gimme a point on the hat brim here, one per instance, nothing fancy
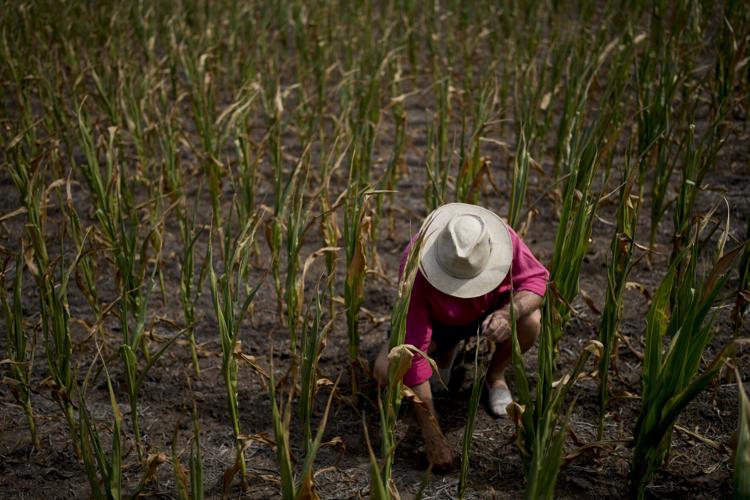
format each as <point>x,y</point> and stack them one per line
<point>498,264</point>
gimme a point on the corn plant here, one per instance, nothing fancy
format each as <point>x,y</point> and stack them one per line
<point>585,149</point>
<point>697,161</point>
<point>232,296</point>
<point>281,194</point>
<point>190,486</point>
<point>671,377</point>
<point>470,162</point>
<point>202,100</point>
<point>304,488</point>
<point>314,336</point>
<point>619,264</point>
<point>732,47</point>
<point>19,347</point>
<point>658,78</point>
<point>329,229</point>
<point>356,233</point>
<point>103,471</point>
<point>740,479</point>
<point>437,163</point>
<point>540,422</point>
<point>297,223</point>
<point>52,278</point>
<point>396,164</point>
<point>399,361</point>
<point>86,269</point>
<point>480,372</point>
<point>189,289</point>
<point>521,162</point>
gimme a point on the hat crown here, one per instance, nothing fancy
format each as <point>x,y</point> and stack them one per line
<point>463,246</point>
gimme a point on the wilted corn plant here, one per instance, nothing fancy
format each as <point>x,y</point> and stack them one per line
<point>232,295</point>
<point>619,264</point>
<point>399,361</point>
<point>363,120</point>
<point>697,161</point>
<point>671,377</point>
<point>740,478</point>
<point>437,163</point>
<point>190,486</point>
<point>281,190</point>
<point>585,148</point>
<point>103,472</point>
<point>51,277</point>
<point>304,488</point>
<point>202,99</point>
<point>356,232</point>
<point>329,229</point>
<point>173,185</point>
<point>314,334</point>
<point>470,163</point>
<point>20,345</point>
<point>119,223</point>
<point>541,427</point>
<point>297,223</point>
<point>657,80</point>
<point>480,372</point>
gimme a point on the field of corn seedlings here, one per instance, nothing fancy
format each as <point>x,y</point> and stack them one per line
<point>203,205</point>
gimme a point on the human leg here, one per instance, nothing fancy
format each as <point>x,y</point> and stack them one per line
<point>527,329</point>
<point>499,396</point>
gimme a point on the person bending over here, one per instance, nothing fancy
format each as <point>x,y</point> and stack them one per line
<point>469,260</point>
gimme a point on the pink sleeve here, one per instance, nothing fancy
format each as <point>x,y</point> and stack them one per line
<point>528,273</point>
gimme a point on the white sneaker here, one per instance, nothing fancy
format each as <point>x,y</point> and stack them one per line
<point>498,398</point>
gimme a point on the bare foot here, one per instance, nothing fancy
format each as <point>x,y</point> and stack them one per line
<point>439,454</point>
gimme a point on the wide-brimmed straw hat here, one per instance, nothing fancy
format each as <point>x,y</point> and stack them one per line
<point>467,250</point>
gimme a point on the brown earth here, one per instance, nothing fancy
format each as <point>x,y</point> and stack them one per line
<point>699,465</point>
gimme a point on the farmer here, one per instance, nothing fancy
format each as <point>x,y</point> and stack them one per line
<point>468,261</point>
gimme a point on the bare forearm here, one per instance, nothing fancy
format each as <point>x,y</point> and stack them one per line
<point>524,303</point>
<point>425,412</point>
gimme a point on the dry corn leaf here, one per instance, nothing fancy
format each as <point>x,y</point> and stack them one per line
<point>545,101</point>
<point>261,437</point>
<point>153,461</point>
<point>590,302</point>
<point>358,263</point>
<point>634,285</point>
<point>399,361</point>
<point>10,215</point>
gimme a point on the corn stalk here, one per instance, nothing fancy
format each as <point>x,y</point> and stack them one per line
<point>480,372</point>
<point>19,347</point>
<point>232,297</point>
<point>671,377</point>
<point>399,361</point>
<point>619,265</point>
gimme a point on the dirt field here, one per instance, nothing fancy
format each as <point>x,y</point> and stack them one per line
<point>699,465</point>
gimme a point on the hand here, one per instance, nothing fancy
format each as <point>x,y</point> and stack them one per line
<point>496,326</point>
<point>439,454</point>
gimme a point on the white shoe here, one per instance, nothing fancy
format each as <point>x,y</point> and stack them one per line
<point>498,398</point>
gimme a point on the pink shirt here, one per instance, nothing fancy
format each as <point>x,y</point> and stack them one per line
<point>429,304</point>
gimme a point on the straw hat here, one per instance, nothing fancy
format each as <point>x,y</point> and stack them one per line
<point>466,251</point>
